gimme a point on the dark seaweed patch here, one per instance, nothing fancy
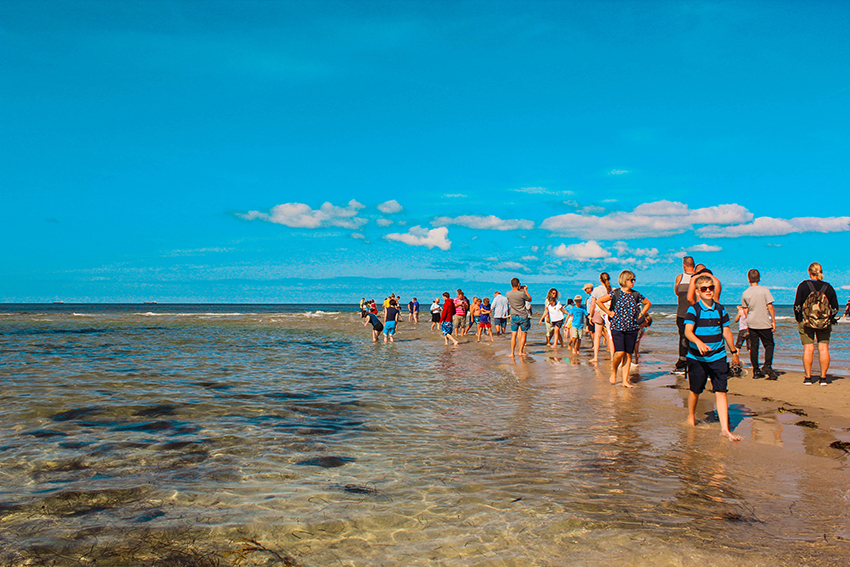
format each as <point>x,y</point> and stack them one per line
<point>807,423</point>
<point>357,489</point>
<point>74,414</point>
<point>73,445</point>
<point>45,433</point>
<point>213,385</point>
<point>326,462</point>
<point>78,503</point>
<point>156,411</point>
<point>841,446</point>
<point>147,517</point>
<point>795,411</point>
<point>176,445</point>
<point>148,426</point>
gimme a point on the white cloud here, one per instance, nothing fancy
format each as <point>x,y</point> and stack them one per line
<point>618,172</point>
<point>488,223</point>
<point>590,250</point>
<point>768,226</point>
<point>622,248</point>
<point>541,191</point>
<point>705,248</point>
<point>529,258</point>
<point>358,236</point>
<point>384,222</point>
<point>455,196</point>
<point>511,266</point>
<point>418,236</point>
<point>390,207</point>
<point>844,287</point>
<point>661,218</point>
<point>535,248</point>
<point>299,215</point>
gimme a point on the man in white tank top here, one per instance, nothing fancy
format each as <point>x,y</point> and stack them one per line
<point>680,288</point>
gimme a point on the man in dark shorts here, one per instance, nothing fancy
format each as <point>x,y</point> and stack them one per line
<point>680,288</point>
<point>377,326</point>
<point>707,328</point>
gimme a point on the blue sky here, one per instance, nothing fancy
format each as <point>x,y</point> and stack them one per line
<point>323,151</point>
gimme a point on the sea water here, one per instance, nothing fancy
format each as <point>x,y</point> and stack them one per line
<point>272,434</point>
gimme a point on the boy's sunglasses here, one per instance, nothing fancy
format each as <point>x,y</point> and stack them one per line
<point>706,288</point>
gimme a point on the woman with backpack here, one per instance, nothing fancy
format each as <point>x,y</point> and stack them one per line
<point>815,308</point>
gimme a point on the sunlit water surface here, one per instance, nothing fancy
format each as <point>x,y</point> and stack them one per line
<point>251,434</point>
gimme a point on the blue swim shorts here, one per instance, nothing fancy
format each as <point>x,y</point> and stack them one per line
<point>500,321</point>
<point>447,328</point>
<point>389,328</point>
<point>519,323</point>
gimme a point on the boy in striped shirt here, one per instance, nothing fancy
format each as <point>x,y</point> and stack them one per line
<point>707,328</point>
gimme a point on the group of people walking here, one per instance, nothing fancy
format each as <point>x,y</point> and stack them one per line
<point>619,317</point>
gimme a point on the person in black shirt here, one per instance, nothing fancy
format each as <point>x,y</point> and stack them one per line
<point>810,336</point>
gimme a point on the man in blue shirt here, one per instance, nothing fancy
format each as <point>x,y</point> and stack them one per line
<point>707,328</point>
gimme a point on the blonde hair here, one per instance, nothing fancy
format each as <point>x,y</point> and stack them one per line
<point>625,276</point>
<point>816,271</point>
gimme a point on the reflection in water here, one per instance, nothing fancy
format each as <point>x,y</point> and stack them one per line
<point>189,440</point>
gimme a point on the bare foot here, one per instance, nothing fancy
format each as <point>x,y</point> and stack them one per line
<point>593,360</point>
<point>613,379</point>
<point>627,384</point>
<point>730,435</point>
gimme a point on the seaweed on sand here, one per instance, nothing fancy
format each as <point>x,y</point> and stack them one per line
<point>795,411</point>
<point>253,546</point>
<point>154,548</point>
<point>172,548</point>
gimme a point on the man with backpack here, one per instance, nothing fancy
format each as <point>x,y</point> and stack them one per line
<point>815,308</point>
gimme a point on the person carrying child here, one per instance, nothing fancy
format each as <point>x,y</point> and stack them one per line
<point>484,319</point>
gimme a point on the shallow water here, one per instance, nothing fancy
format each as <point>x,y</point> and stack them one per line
<point>145,434</point>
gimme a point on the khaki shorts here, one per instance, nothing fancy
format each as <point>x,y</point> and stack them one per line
<point>811,336</point>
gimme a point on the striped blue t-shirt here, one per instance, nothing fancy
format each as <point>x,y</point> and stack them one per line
<point>709,329</point>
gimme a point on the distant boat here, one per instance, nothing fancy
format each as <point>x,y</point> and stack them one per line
<point>150,302</point>
<point>58,302</point>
